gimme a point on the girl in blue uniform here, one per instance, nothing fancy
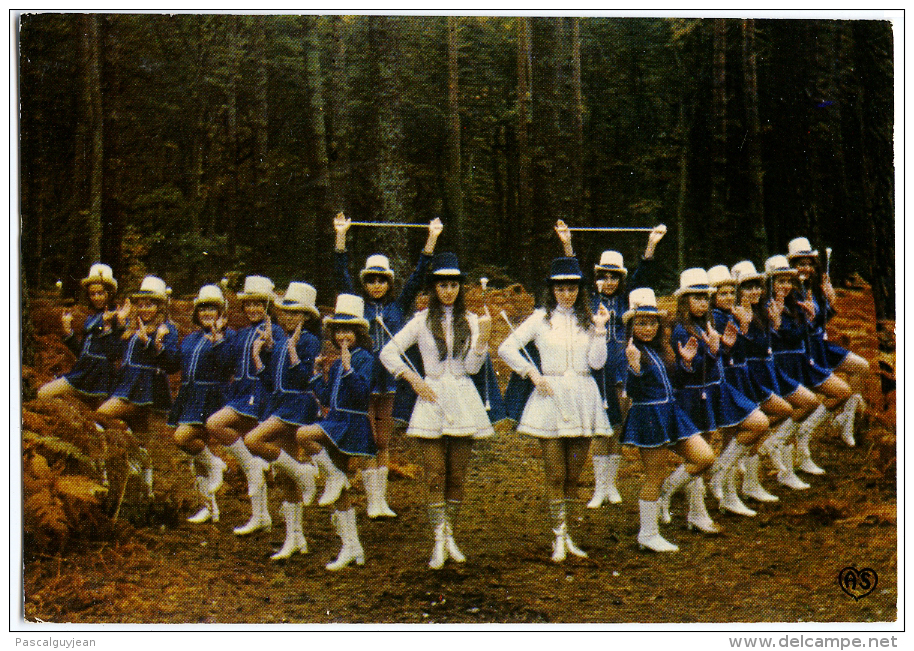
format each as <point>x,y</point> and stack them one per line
<point>205,372</point>
<point>816,288</point>
<point>246,394</point>
<point>290,405</point>
<point>655,420</point>
<point>150,353</point>
<point>612,285</point>
<point>754,317</point>
<point>706,397</point>
<point>345,388</point>
<point>791,342</point>
<point>380,303</point>
<point>729,316</point>
<point>92,376</point>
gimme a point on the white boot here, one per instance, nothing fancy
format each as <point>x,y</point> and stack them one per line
<point>295,538</point>
<point>344,521</point>
<point>716,485</point>
<point>731,501</point>
<point>752,485</point>
<point>302,474</point>
<point>369,480</point>
<point>215,468</point>
<point>612,471</point>
<point>777,440</point>
<point>730,455</point>
<point>676,480</point>
<point>804,434</point>
<point>600,471</point>
<point>787,476</point>
<point>260,514</point>
<point>380,479</point>
<point>335,480</point>
<point>437,516</point>
<point>649,535</point>
<point>570,547</point>
<point>698,517</point>
<point>848,417</point>
<point>204,514</point>
<point>450,516</point>
<point>253,467</point>
<point>558,544</point>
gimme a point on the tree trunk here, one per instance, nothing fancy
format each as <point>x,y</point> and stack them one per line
<point>756,210</point>
<point>524,191</point>
<point>577,152</point>
<point>722,229</point>
<point>454,183</point>
<point>338,154</point>
<point>93,105</point>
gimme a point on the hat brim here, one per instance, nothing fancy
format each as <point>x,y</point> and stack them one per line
<point>223,304</point>
<point>297,307</point>
<point>750,278</point>
<point>152,295</point>
<point>446,274</point>
<point>781,272</point>
<point>721,283</point>
<point>565,278</point>
<point>618,270</point>
<point>269,298</point>
<point>376,271</point>
<point>626,317</point>
<point>802,254</point>
<point>107,282</point>
<point>346,320</point>
<point>696,289</point>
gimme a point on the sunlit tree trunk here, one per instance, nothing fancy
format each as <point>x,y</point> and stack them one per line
<point>719,131</point>
<point>756,212</point>
<point>93,106</point>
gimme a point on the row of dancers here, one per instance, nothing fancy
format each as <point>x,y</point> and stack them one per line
<point>747,355</point>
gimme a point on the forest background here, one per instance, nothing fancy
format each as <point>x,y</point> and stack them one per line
<point>198,147</point>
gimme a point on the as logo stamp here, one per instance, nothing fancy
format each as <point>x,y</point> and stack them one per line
<point>858,584</point>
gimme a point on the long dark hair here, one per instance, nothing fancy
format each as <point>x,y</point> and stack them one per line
<point>620,288</point>
<point>689,322</point>
<point>815,281</point>
<point>791,309</point>
<point>388,296</point>
<point>110,304</point>
<point>759,313</point>
<point>461,323</point>
<point>362,340</point>
<point>581,305</point>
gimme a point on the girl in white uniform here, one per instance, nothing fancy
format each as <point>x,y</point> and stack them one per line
<point>449,413</point>
<point>565,410</point>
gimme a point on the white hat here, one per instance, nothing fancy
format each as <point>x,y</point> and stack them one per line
<point>154,288</point>
<point>209,295</point>
<point>777,265</point>
<point>745,271</point>
<point>100,273</point>
<point>299,297</point>
<point>720,275</point>
<point>257,288</point>
<point>611,261</point>
<point>800,248</point>
<point>693,281</point>
<point>642,301</point>
<point>350,310</point>
<point>377,264</point>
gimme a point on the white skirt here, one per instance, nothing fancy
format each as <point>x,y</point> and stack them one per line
<point>575,409</point>
<point>458,412</point>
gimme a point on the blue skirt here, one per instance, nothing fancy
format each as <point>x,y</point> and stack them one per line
<point>92,376</point>
<point>247,398</point>
<point>739,378</point>
<point>381,380</point>
<point>292,408</point>
<point>195,403</point>
<point>143,387</point>
<point>801,368</point>
<point>656,425</point>
<point>826,354</point>
<point>350,432</point>
<point>766,374</point>
<point>714,406</point>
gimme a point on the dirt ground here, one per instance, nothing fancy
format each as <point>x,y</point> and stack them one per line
<point>781,566</point>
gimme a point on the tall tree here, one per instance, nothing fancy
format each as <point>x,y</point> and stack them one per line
<point>524,190</point>
<point>756,212</point>
<point>719,135</point>
<point>93,106</point>
<point>577,153</point>
<point>454,181</point>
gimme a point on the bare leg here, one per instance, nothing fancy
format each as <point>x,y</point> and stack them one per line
<point>554,468</point>
<point>227,425</point>
<point>380,408</point>
<point>60,388</point>
<point>434,462</point>
<point>458,458</point>
<point>270,437</point>
<point>575,456</point>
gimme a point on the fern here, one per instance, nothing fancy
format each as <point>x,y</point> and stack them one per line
<point>57,445</point>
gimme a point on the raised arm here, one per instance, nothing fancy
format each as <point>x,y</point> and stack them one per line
<point>341,225</point>
<point>413,284</point>
<point>564,233</point>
